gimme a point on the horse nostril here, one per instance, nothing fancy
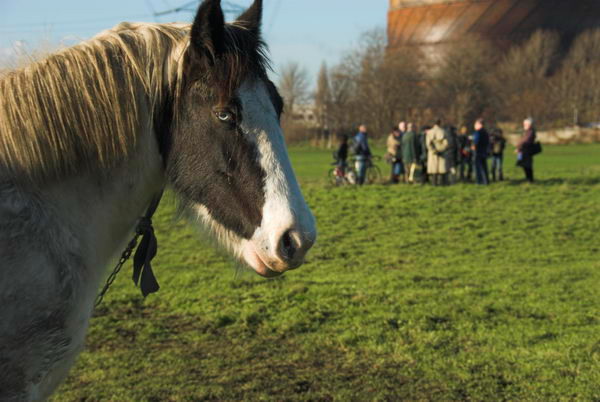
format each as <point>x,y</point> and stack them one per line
<point>287,246</point>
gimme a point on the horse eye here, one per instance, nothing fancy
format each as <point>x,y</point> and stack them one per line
<point>225,116</point>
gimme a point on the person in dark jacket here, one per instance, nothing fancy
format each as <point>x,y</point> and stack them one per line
<point>422,150</point>
<point>465,155</point>
<point>525,149</point>
<point>362,152</point>
<point>410,152</point>
<point>497,146</point>
<point>451,154</point>
<point>341,155</point>
<point>481,143</point>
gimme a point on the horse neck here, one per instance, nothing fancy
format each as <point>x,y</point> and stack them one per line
<point>101,212</point>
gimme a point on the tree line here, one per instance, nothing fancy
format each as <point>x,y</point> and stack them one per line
<point>471,78</point>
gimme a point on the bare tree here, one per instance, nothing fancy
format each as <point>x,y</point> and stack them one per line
<point>293,85</point>
<point>341,87</point>
<point>577,85</point>
<point>322,102</point>
<point>380,86</point>
<point>460,87</point>
<point>521,81</point>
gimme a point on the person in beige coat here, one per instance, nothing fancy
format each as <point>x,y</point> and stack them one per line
<point>437,144</point>
<point>394,154</point>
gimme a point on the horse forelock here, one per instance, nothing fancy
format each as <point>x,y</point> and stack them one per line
<point>82,107</point>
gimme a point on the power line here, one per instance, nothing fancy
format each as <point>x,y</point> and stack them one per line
<point>191,6</point>
<point>61,26</point>
<point>75,22</point>
<point>176,10</point>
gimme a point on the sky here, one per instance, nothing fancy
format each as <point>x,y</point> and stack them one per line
<point>309,32</point>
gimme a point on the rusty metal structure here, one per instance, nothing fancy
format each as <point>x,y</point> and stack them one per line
<point>432,23</point>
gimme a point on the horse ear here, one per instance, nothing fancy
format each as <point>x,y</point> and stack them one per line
<point>252,17</point>
<point>208,29</point>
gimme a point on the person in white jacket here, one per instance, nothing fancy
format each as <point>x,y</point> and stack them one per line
<point>437,144</point>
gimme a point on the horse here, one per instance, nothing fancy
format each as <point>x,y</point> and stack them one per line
<point>91,134</point>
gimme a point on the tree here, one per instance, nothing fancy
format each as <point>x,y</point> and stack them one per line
<point>521,81</point>
<point>322,97</point>
<point>293,85</point>
<point>577,85</point>
<point>378,87</point>
<point>341,89</point>
<point>460,89</point>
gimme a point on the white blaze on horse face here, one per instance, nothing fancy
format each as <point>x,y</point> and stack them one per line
<point>287,230</point>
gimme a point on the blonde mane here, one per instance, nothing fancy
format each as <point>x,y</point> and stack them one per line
<point>82,107</point>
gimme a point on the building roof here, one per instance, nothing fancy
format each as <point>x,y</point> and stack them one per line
<point>427,22</point>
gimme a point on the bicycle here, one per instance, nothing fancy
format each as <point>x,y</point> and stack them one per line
<point>341,175</point>
<point>373,173</point>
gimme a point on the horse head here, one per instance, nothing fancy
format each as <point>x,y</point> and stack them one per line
<point>225,154</point>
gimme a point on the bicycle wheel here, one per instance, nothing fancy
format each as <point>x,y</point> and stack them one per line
<point>331,177</point>
<point>373,174</point>
<point>351,176</point>
<point>334,178</point>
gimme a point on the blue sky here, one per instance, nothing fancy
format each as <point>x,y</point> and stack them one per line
<point>306,31</point>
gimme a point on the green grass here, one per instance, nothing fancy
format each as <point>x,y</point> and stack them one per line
<point>411,293</point>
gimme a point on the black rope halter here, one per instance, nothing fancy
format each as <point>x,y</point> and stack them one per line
<point>143,276</point>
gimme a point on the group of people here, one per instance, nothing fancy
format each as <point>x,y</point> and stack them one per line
<point>441,155</point>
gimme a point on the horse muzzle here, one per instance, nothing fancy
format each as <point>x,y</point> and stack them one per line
<point>283,251</point>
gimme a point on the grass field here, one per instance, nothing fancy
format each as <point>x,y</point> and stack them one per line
<point>412,292</point>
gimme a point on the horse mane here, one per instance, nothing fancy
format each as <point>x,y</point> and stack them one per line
<point>81,107</point>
